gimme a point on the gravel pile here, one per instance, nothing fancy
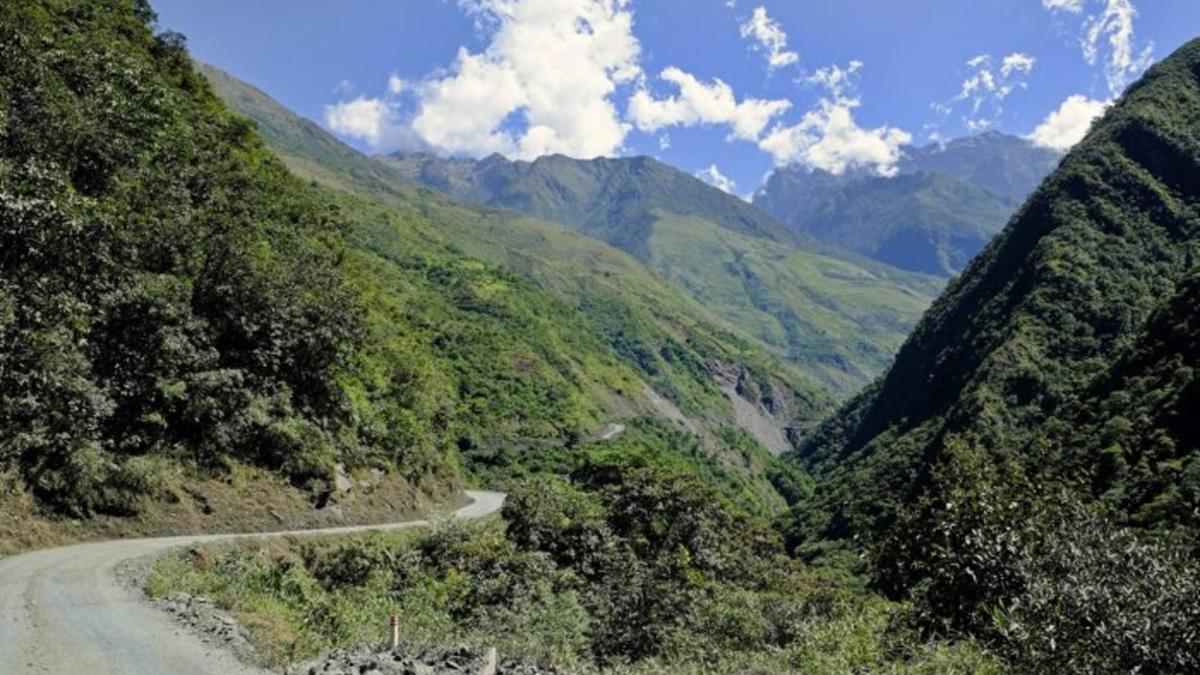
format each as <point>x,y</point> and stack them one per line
<point>212,625</point>
<point>409,660</point>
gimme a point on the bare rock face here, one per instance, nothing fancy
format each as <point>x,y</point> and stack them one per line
<point>342,482</point>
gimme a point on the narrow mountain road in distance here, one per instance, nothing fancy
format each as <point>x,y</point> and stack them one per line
<point>62,610</point>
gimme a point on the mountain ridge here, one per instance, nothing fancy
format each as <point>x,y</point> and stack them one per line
<point>834,313</point>
<point>943,204</point>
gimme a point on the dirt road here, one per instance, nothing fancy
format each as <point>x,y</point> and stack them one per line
<point>62,610</point>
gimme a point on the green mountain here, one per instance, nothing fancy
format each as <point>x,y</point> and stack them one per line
<point>699,370</point>
<point>183,315</point>
<point>1062,361</point>
<point>610,199</point>
<point>837,316</point>
<point>945,203</point>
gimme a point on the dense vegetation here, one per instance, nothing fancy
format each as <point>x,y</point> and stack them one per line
<point>1050,394</point>
<point>940,209</point>
<point>618,567</point>
<point>169,292</point>
<point>1021,490</point>
<point>836,316</point>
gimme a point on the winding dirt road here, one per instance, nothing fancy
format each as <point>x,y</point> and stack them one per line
<point>62,610</point>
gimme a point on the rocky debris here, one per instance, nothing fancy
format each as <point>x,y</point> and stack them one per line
<point>213,625</point>
<point>611,431</point>
<point>412,660</point>
<point>341,480</point>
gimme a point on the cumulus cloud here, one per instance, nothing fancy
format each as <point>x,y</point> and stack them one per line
<point>1108,38</point>
<point>553,63</point>
<point>769,38</point>
<point>713,176</point>
<point>366,118</point>
<point>828,137</point>
<point>1067,125</point>
<point>544,84</point>
<point>702,103</point>
<point>986,87</point>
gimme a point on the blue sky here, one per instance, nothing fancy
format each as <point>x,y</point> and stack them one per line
<point>730,89</point>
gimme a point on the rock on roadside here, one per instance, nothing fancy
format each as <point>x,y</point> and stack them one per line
<point>211,624</point>
<point>409,660</point>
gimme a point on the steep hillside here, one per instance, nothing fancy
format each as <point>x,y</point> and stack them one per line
<point>170,294</point>
<point>610,199</point>
<point>837,316</point>
<point>1065,353</point>
<point>946,202</point>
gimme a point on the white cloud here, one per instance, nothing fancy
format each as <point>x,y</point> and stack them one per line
<point>713,176</point>
<point>986,87</point>
<point>836,79</point>
<point>556,63</point>
<point>365,118</point>
<point>664,142</point>
<point>1067,125</point>
<point>543,85</point>
<point>769,37</point>
<point>1108,38</point>
<point>702,103</point>
<point>1016,62</point>
<point>1075,6</point>
<point>1122,63</point>
<point>829,138</point>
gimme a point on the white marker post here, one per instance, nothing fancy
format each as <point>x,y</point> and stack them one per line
<point>394,622</point>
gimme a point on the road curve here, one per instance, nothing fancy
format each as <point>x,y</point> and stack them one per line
<point>62,610</point>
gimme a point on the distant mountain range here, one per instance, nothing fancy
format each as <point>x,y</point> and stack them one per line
<point>837,315</point>
<point>829,272</point>
<point>946,201</point>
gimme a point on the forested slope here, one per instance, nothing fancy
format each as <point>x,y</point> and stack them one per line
<point>1045,399</point>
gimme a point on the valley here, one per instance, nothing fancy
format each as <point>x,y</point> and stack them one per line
<point>918,407</point>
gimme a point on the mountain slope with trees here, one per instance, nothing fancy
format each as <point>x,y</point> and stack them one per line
<point>1055,378</point>
<point>700,369</point>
